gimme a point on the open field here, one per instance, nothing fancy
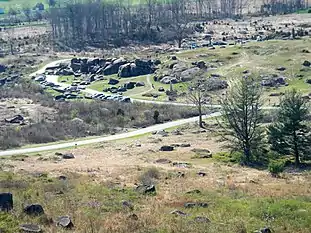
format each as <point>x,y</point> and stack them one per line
<point>101,176</point>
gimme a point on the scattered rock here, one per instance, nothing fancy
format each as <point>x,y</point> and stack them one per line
<point>174,58</point>
<point>113,81</point>
<point>202,153</point>
<point>202,219</point>
<point>176,132</point>
<point>62,177</point>
<point>180,175</point>
<point>281,68</point>
<point>68,156</point>
<point>34,210</point>
<point>166,148</point>
<point>264,230</point>
<point>163,161</point>
<point>182,164</point>
<point>133,217</point>
<point>65,222</point>
<point>127,204</point>
<point>185,145</point>
<point>18,119</point>
<point>163,133</point>
<point>179,213</point>
<point>195,191</point>
<point>190,205</point>
<point>6,201</point>
<point>140,84</point>
<point>146,189</point>
<point>28,228</point>
<point>161,89</point>
<point>193,205</point>
<point>275,94</point>
<point>201,174</point>
<point>306,63</point>
<point>308,81</point>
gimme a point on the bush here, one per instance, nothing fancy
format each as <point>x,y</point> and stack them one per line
<point>309,11</point>
<point>149,176</point>
<point>276,167</point>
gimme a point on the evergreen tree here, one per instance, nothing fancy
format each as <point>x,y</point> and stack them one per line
<point>241,116</point>
<point>290,134</point>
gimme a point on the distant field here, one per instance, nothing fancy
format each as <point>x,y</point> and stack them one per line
<point>19,4</point>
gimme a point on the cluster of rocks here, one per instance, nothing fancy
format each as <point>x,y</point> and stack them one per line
<point>101,66</point>
<point>9,78</point>
<point>273,80</point>
<point>178,72</point>
<point>126,86</point>
<point>32,210</point>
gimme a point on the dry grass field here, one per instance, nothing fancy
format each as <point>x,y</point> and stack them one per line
<point>101,176</point>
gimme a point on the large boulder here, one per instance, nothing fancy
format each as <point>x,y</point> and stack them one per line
<point>34,210</point>
<point>189,74</point>
<point>130,85</point>
<point>139,67</point>
<point>126,70</point>
<point>168,80</point>
<point>113,68</point>
<point>214,84</point>
<point>2,68</point>
<point>140,84</point>
<point>75,66</point>
<point>6,201</point>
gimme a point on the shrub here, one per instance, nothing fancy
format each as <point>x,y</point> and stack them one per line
<point>149,176</point>
<point>276,167</point>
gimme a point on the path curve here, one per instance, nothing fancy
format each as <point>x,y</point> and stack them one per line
<point>138,132</point>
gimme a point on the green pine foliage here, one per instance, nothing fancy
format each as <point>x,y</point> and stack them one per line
<point>290,134</point>
<point>241,115</point>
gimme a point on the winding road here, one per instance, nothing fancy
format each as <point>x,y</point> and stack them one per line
<point>80,142</point>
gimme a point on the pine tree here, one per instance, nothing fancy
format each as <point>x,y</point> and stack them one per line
<point>241,116</point>
<point>290,135</point>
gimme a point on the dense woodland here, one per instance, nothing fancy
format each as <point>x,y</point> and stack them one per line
<point>116,23</point>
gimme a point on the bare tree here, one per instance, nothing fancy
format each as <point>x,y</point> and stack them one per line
<point>197,94</point>
<point>181,21</point>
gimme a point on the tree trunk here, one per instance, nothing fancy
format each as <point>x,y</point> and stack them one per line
<point>179,42</point>
<point>200,116</point>
<point>296,151</point>
<point>247,152</point>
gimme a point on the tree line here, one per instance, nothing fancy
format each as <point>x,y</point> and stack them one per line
<point>97,23</point>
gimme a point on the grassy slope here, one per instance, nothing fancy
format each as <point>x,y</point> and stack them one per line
<point>98,205</point>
